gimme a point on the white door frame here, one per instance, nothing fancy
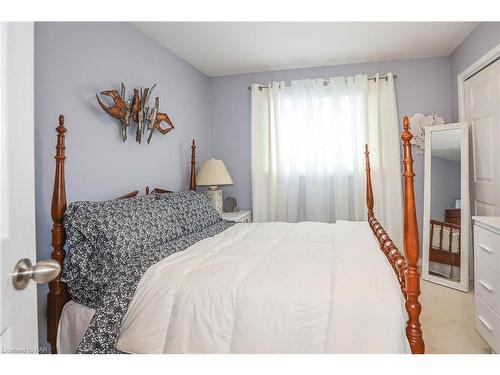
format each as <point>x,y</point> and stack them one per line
<point>478,65</point>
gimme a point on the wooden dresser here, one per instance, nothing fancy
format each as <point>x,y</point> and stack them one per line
<point>487,279</point>
<point>452,215</point>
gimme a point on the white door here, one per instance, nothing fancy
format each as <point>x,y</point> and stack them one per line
<point>18,308</point>
<point>482,110</point>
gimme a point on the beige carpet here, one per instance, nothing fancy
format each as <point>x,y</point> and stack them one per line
<point>448,321</point>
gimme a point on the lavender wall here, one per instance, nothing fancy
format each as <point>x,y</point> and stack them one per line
<point>423,85</point>
<point>72,62</point>
<point>480,41</point>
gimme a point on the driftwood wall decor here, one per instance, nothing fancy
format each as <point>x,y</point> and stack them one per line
<point>138,111</point>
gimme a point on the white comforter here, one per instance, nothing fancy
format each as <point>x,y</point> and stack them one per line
<point>270,288</point>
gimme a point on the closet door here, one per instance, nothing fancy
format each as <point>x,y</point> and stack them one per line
<point>482,107</point>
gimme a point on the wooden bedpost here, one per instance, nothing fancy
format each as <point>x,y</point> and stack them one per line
<point>58,295</point>
<point>192,180</point>
<point>411,248</point>
<point>405,268</point>
<point>369,191</point>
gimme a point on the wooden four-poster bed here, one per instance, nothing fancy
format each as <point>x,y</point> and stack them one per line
<point>405,267</point>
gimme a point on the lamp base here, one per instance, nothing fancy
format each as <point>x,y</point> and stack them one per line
<point>215,197</point>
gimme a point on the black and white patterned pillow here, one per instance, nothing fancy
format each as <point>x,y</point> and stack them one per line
<point>192,209</point>
<point>99,232</point>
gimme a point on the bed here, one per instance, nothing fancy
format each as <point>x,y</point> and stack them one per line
<point>246,288</point>
<point>444,249</point>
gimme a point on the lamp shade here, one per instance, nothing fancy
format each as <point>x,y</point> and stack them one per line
<point>213,173</point>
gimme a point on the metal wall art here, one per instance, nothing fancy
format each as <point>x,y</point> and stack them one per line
<point>139,111</point>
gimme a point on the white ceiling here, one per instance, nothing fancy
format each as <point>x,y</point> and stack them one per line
<point>224,48</point>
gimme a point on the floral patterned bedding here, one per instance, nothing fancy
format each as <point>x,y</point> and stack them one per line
<point>111,244</point>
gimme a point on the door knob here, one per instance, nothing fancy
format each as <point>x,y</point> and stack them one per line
<point>42,272</point>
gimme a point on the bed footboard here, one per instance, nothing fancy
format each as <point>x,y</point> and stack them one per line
<point>405,268</point>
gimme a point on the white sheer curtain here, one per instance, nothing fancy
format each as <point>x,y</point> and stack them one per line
<point>308,151</point>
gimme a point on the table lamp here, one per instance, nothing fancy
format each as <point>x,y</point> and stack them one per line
<point>213,173</point>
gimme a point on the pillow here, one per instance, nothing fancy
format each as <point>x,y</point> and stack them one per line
<point>193,210</point>
<point>100,233</point>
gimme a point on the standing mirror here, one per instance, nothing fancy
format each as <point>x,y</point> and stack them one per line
<point>445,255</point>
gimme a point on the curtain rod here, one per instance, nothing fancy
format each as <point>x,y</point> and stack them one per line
<point>325,81</point>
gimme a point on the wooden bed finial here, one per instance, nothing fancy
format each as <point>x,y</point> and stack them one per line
<point>369,191</point>
<point>192,180</point>
<point>58,295</point>
<point>411,247</point>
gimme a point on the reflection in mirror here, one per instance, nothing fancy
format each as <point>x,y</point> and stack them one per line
<point>445,205</point>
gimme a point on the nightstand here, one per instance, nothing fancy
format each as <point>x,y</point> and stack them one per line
<point>243,216</point>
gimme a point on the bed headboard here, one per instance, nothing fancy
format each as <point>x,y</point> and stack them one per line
<point>58,294</point>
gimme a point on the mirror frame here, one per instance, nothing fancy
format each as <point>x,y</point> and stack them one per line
<point>465,221</point>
